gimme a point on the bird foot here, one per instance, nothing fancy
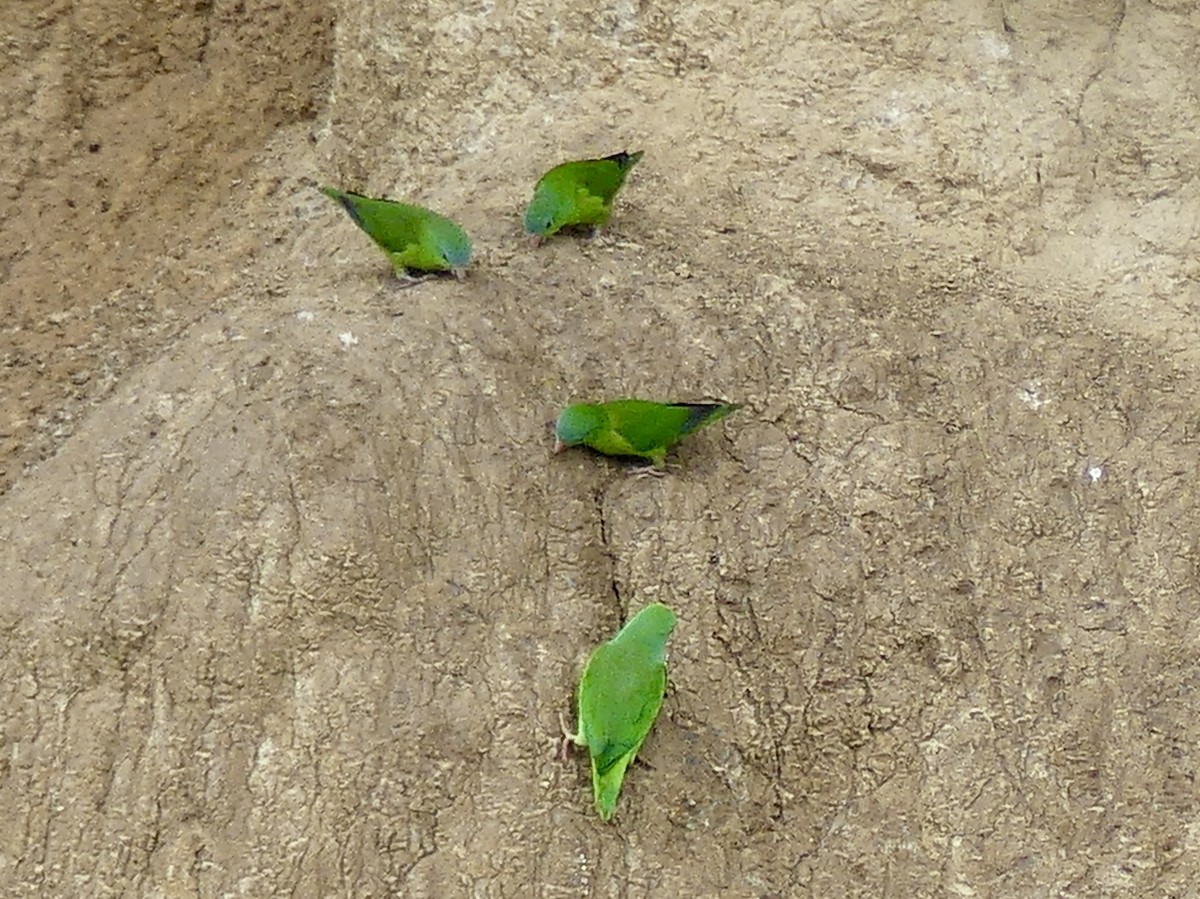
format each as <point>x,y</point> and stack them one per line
<point>640,472</point>
<point>406,280</point>
<point>568,738</point>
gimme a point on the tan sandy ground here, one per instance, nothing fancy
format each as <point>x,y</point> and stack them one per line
<point>292,592</point>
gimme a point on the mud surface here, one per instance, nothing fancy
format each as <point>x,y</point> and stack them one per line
<point>293,592</point>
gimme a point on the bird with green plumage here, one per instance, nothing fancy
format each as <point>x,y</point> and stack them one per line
<point>414,238</point>
<point>620,694</point>
<point>633,427</point>
<point>577,193</point>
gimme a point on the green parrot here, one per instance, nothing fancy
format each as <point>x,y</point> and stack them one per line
<point>414,238</point>
<point>577,193</point>
<point>620,693</point>
<point>634,427</point>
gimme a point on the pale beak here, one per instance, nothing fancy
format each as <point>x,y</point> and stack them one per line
<point>458,273</point>
<point>535,240</point>
<point>559,446</point>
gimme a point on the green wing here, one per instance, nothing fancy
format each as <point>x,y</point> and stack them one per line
<point>413,237</point>
<point>394,226</point>
<point>648,428</point>
<point>588,186</point>
<point>601,178</point>
<point>610,440</point>
<point>586,208</point>
<point>620,695</point>
<point>615,756</point>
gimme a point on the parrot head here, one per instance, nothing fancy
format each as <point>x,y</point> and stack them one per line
<point>545,214</point>
<point>455,249</point>
<point>575,424</point>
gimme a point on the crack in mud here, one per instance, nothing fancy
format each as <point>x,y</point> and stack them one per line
<point>606,544</point>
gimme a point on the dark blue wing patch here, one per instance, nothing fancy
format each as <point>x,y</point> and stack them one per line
<point>698,414</point>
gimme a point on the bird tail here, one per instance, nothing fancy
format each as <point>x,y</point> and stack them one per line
<point>701,414</point>
<point>626,161</point>
<point>343,198</point>
<point>606,785</point>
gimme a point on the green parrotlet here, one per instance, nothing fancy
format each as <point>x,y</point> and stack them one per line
<point>620,695</point>
<point>577,193</point>
<point>632,427</point>
<point>415,239</point>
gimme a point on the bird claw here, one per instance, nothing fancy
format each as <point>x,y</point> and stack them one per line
<point>648,471</point>
<point>406,280</point>
<point>568,738</point>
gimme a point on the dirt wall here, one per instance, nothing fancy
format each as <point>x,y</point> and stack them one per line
<point>295,591</point>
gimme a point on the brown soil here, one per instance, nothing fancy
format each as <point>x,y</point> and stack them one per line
<point>293,592</point>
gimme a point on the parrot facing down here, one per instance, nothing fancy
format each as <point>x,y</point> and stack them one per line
<point>577,193</point>
<point>620,694</point>
<point>414,238</point>
<point>632,427</point>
